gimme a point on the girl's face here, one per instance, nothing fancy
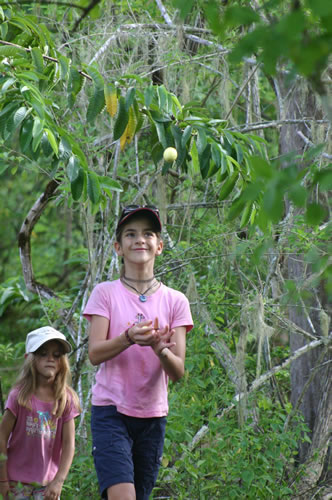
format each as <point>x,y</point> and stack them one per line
<point>48,360</point>
<point>139,244</point>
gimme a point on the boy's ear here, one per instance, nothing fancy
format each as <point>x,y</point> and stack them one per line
<point>160,247</point>
<point>118,248</point>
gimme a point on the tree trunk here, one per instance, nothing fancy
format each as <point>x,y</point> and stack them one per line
<point>311,373</point>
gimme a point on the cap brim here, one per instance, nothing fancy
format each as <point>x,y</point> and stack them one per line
<point>146,211</point>
<point>47,338</point>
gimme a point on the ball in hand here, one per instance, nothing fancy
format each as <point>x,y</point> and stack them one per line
<point>170,154</point>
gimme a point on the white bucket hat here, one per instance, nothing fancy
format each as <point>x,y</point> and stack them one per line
<point>38,337</point>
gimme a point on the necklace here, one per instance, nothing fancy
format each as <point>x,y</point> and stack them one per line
<point>139,281</point>
<point>142,297</point>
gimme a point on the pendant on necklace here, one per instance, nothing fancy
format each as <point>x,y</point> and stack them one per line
<point>142,298</point>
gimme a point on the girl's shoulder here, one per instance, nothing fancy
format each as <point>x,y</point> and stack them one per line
<point>14,392</point>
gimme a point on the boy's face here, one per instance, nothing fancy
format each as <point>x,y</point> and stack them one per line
<point>139,243</point>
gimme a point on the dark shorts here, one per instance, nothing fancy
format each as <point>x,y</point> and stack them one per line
<point>126,449</point>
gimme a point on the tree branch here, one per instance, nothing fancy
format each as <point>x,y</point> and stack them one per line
<point>259,382</point>
<point>86,11</point>
<point>24,242</point>
<point>47,58</point>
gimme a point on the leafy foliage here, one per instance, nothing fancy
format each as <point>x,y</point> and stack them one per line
<point>100,128</point>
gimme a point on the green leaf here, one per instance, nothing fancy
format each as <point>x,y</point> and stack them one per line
<point>273,202</point>
<point>201,141</point>
<point>37,58</point>
<point>107,182</point>
<point>237,15</point>
<point>315,214</point>
<point>246,213</point>
<point>194,158</point>
<point>121,120</point>
<point>204,161</point>
<point>19,116</point>
<point>184,7</point>
<point>38,126</point>
<point>30,76</point>
<point>262,167</point>
<point>94,191</point>
<point>77,185</point>
<point>160,128</point>
<point>298,194</point>
<point>248,475</point>
<point>73,168</point>
<point>52,140</point>
<point>75,83</point>
<point>324,179</point>
<point>64,149</point>
<point>235,209</point>
<point>162,98</point>
<point>321,8</point>
<point>216,155</point>
<point>186,135</point>
<point>9,51</point>
<point>148,95</point>
<point>26,134</point>
<point>130,97</point>
<point>98,80</point>
<point>36,141</point>
<point>64,66</point>
<point>8,83</point>
<point>239,153</point>
<point>228,185</point>
<point>96,104</point>
<point>46,146</point>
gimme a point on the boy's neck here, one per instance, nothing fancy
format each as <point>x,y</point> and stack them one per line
<point>139,274</point>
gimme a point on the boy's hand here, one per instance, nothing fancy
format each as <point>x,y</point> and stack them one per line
<point>143,334</point>
<point>163,340</point>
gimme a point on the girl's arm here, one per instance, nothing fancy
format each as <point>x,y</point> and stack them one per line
<point>6,427</point>
<point>172,358</point>
<point>67,455</point>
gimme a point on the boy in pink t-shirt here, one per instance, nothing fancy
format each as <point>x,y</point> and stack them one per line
<point>138,338</point>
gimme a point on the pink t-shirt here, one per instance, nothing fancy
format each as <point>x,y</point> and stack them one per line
<point>34,446</point>
<point>134,381</point>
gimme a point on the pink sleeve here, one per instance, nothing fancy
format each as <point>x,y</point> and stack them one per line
<point>182,314</point>
<point>71,411</point>
<point>98,303</point>
<point>12,403</point>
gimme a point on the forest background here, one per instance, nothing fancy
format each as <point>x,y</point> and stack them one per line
<point>91,93</point>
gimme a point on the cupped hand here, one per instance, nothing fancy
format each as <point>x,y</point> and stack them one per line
<point>163,339</point>
<point>144,333</point>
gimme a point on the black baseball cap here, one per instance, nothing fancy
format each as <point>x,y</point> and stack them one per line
<point>149,210</point>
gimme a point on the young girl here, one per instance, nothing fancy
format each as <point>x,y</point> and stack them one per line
<point>37,432</point>
<point>138,337</point>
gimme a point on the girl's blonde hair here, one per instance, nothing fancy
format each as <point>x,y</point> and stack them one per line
<point>64,394</point>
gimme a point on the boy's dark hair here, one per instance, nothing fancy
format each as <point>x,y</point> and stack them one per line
<point>136,211</point>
